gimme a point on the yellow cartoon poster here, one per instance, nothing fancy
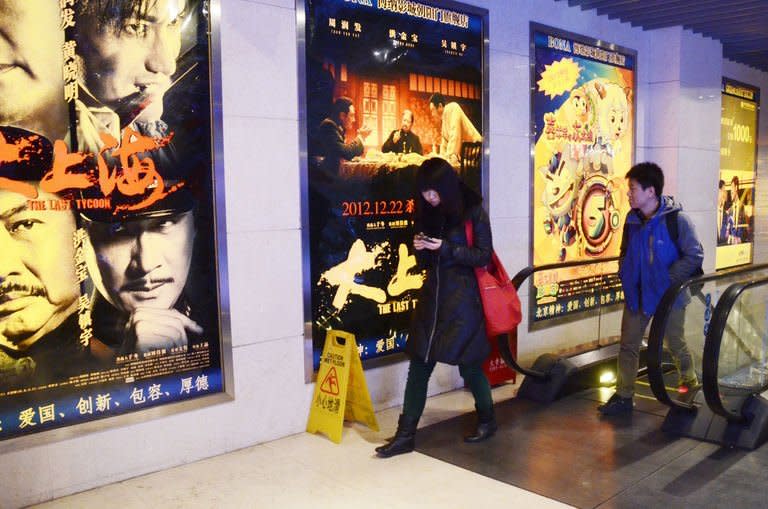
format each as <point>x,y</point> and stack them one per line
<point>583,122</point>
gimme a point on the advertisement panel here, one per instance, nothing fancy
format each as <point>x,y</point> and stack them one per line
<point>582,115</point>
<point>109,279</point>
<point>389,83</point>
<point>736,189</point>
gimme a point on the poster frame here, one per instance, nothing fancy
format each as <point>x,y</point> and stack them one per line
<point>219,218</point>
<point>534,325</point>
<point>726,80</point>
<point>301,42</point>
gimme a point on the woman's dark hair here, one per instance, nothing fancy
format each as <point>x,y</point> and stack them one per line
<point>437,174</point>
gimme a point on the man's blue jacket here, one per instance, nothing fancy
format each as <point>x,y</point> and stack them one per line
<point>651,261</point>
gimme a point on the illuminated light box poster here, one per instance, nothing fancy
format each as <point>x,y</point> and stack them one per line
<point>735,224</point>
<point>109,288</point>
<point>582,114</point>
<point>372,68</point>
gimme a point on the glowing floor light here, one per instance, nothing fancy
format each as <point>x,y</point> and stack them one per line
<point>607,377</point>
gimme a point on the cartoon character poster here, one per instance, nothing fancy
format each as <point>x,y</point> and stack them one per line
<point>583,117</point>
<point>109,279</point>
<point>389,84</point>
<point>735,223</point>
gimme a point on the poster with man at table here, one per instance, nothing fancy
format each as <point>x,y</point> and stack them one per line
<point>388,85</point>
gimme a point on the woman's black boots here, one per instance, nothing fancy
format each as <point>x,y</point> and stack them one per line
<point>486,427</point>
<point>404,439</point>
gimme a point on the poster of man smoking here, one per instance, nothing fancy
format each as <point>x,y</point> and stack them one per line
<point>389,84</point>
<point>108,270</point>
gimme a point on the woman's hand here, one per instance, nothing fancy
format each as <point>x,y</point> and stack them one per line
<point>421,241</point>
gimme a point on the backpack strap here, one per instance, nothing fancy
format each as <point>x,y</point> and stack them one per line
<point>672,227</point>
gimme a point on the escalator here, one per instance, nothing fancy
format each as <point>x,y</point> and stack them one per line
<point>724,317</point>
<point>554,375</point>
<point>556,444</point>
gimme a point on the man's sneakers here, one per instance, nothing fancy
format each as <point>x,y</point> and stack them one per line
<point>688,386</point>
<point>616,405</point>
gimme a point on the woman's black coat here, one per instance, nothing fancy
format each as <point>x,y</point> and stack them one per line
<point>448,324</point>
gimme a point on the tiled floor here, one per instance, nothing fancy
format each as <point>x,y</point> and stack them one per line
<point>310,471</point>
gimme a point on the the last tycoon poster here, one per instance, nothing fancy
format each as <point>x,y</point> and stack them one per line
<point>583,109</point>
<point>109,299</point>
<point>389,83</point>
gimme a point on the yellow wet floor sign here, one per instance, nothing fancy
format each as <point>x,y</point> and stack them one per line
<point>340,392</point>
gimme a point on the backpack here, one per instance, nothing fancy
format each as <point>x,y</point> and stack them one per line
<point>672,228</point>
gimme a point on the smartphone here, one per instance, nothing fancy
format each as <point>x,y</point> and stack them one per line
<point>421,236</point>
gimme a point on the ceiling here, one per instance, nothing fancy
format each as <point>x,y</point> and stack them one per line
<point>740,25</point>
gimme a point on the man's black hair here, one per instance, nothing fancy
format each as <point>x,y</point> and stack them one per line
<point>113,13</point>
<point>341,105</point>
<point>648,174</point>
<point>437,99</point>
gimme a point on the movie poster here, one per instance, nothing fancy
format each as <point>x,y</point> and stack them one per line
<point>583,116</point>
<point>389,84</point>
<point>735,224</point>
<point>109,299</point>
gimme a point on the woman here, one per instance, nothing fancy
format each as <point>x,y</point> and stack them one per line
<point>448,324</point>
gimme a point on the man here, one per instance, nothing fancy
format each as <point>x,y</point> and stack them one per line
<point>128,51</point>
<point>39,290</point>
<point>456,127</point>
<point>139,262</point>
<point>403,140</point>
<point>31,63</point>
<point>734,206</point>
<point>724,220</point>
<point>650,262</point>
<point>331,137</point>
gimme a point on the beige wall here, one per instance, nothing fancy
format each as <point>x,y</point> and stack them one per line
<point>261,135</point>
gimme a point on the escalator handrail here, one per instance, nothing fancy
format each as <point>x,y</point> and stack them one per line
<point>659,327</point>
<point>518,280</point>
<point>712,344</point>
